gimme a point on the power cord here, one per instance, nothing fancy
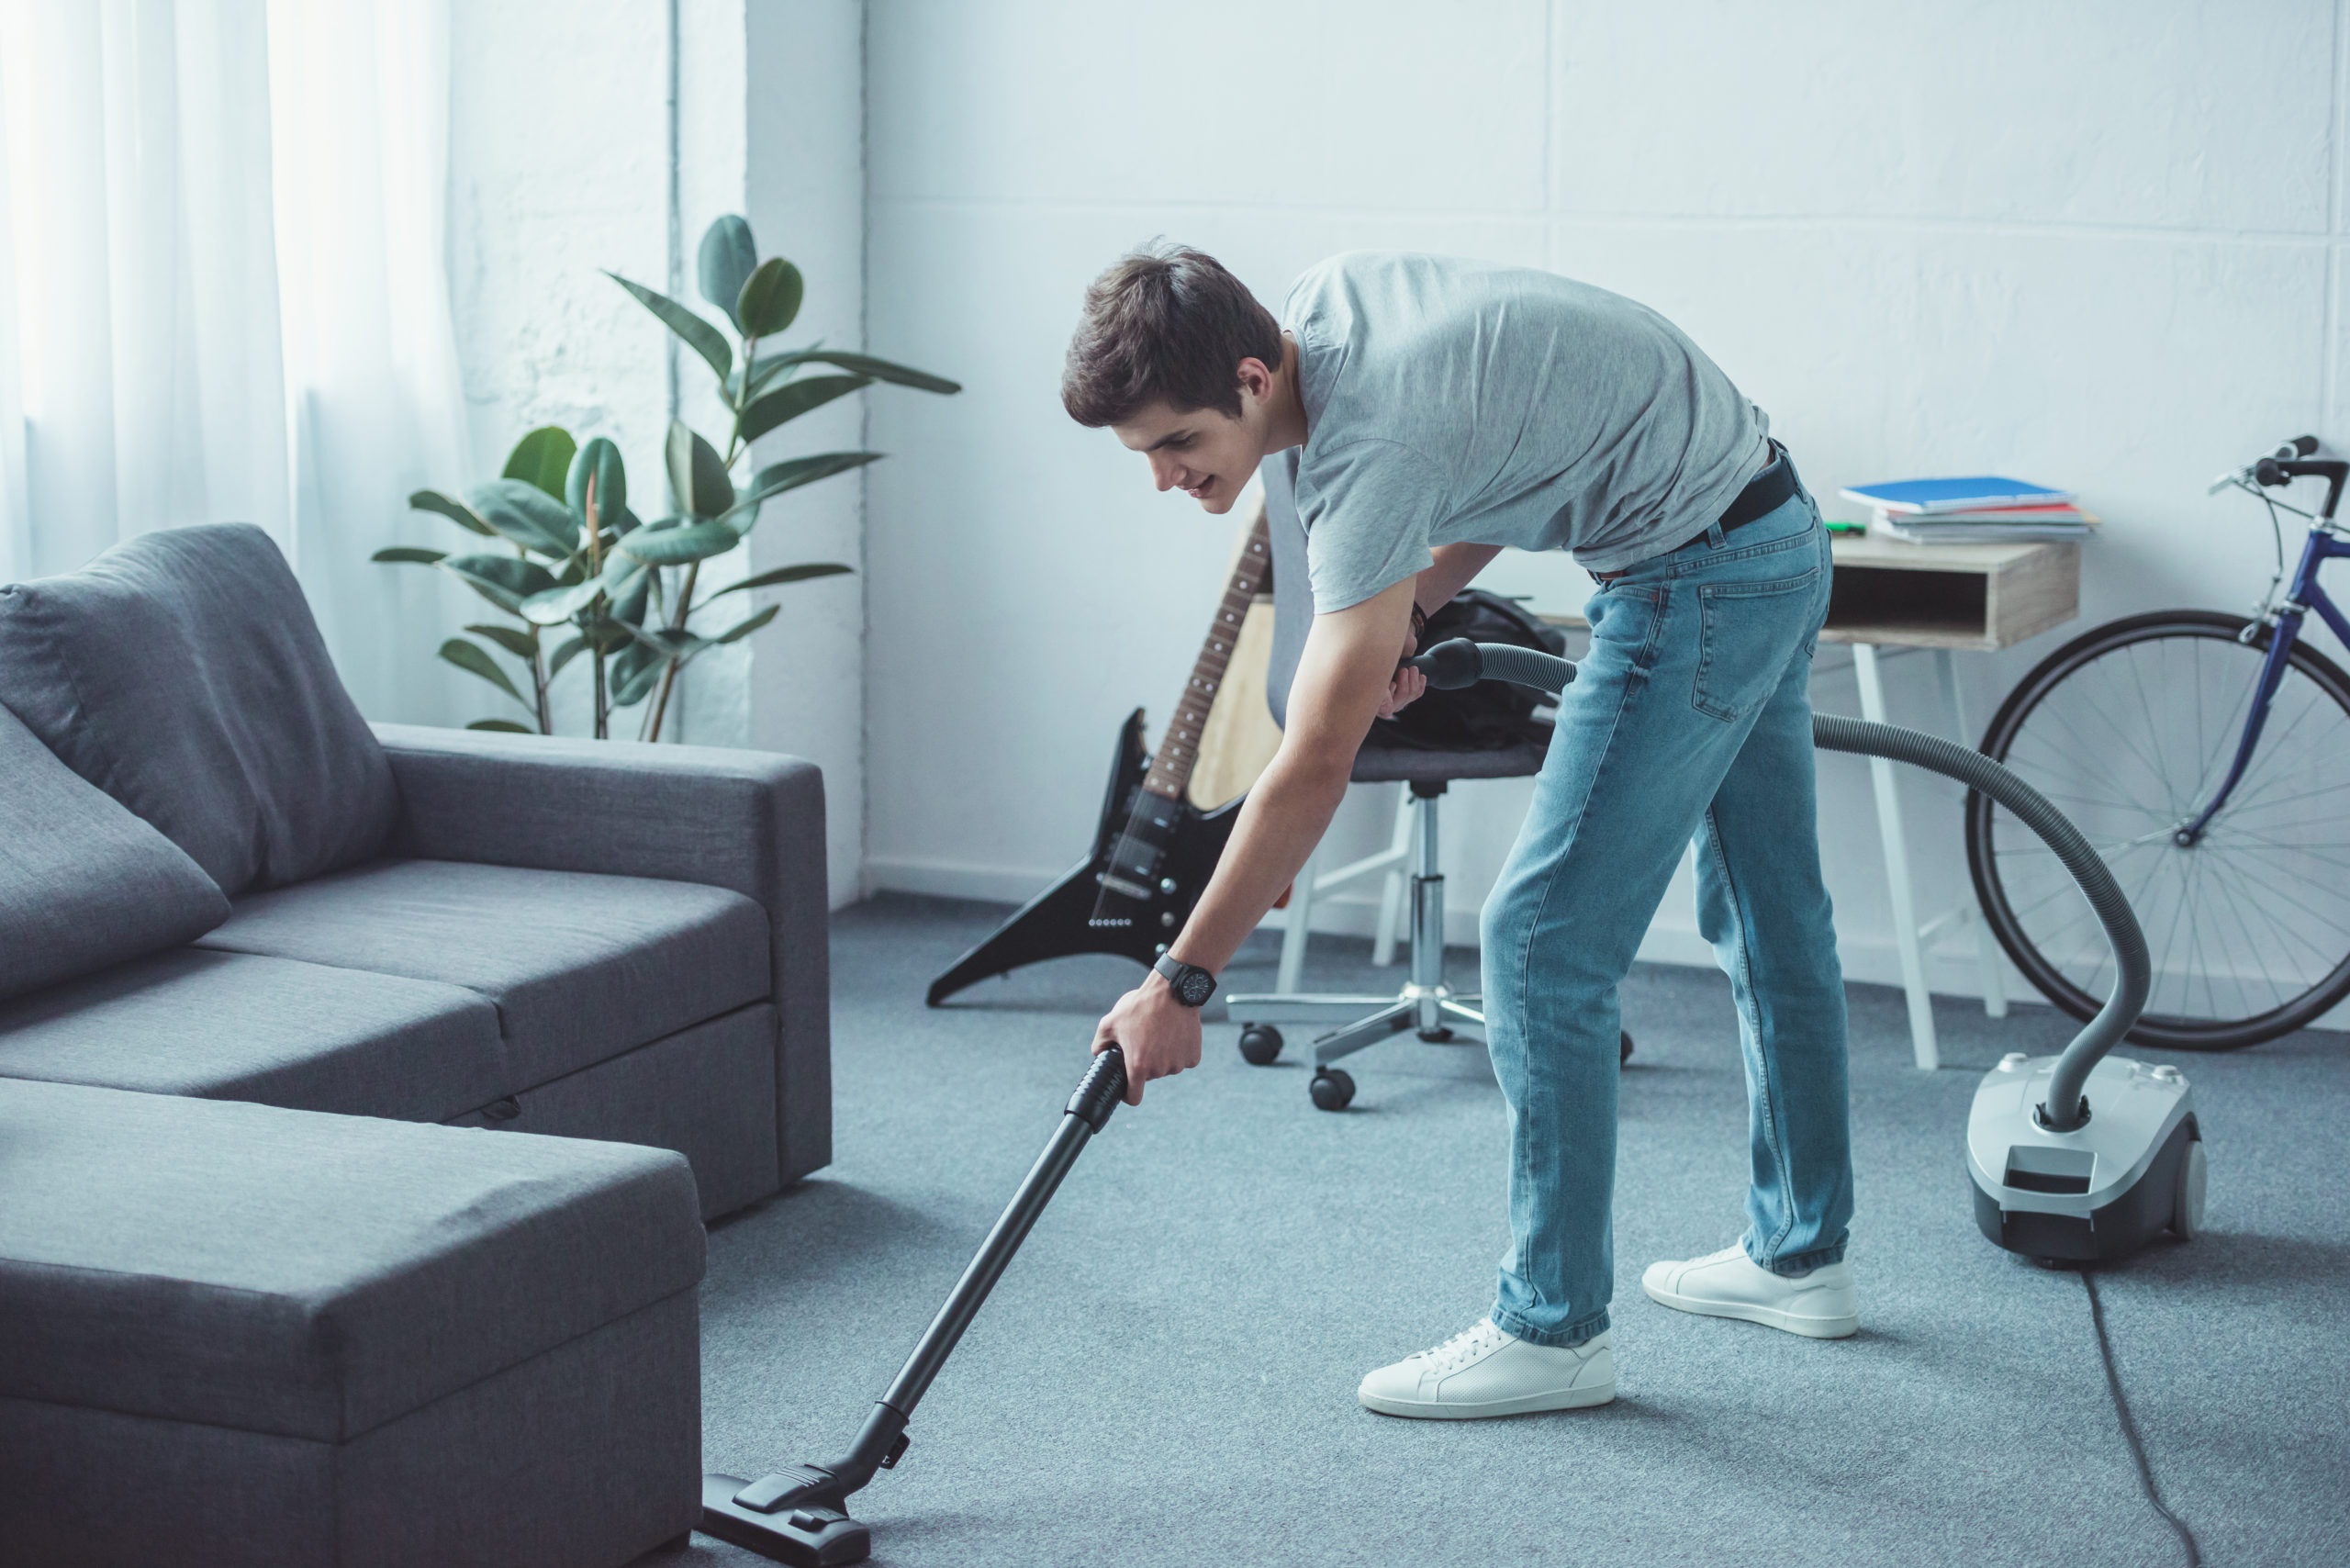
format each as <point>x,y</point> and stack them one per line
<point>2130,1425</point>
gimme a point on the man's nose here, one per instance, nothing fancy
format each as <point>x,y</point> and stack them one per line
<point>1162,469</point>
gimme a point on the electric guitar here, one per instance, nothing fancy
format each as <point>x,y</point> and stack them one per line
<point>1153,850</point>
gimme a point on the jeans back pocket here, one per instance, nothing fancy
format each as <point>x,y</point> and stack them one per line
<point>1746,633</point>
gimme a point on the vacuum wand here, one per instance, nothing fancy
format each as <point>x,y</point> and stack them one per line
<point>797,1516</point>
<point>1459,663</point>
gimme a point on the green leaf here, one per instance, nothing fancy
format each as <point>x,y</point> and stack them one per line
<point>522,512</point>
<point>794,398</point>
<point>634,675</point>
<point>728,258</point>
<point>599,460</point>
<point>542,458</point>
<point>699,335</point>
<point>697,474</point>
<point>744,628</point>
<point>504,580</point>
<point>503,726</point>
<point>476,660</point>
<point>554,606</point>
<point>564,654</point>
<point>630,597</point>
<point>521,644</point>
<point>769,367</point>
<point>455,510</point>
<point>771,299</point>
<point>793,473</point>
<point>404,553</point>
<point>676,546</point>
<point>672,644</point>
<point>782,575</point>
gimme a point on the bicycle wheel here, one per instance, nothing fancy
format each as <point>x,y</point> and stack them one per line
<point>2129,730</point>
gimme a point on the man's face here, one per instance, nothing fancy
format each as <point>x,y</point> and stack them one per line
<point>1204,453</point>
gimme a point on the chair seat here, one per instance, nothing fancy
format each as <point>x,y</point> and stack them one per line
<point>581,967</point>
<point>1409,765</point>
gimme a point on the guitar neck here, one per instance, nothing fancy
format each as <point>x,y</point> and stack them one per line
<point>1179,750</point>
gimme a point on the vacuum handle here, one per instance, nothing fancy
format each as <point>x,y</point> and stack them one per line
<point>1459,663</point>
<point>1098,1094</point>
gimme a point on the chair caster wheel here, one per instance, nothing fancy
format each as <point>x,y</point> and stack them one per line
<point>1624,1041</point>
<point>1437,1037</point>
<point>1332,1090</point>
<point>1261,1045</point>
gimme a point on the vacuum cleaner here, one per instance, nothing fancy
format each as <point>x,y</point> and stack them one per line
<point>2076,1157</point>
<point>800,1515</point>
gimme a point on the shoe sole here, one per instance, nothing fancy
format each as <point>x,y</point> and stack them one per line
<point>1529,1405</point>
<point>1810,1327</point>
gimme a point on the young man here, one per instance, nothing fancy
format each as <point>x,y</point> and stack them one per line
<point>1448,408</point>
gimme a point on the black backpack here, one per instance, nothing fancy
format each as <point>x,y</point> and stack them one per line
<point>1492,715</point>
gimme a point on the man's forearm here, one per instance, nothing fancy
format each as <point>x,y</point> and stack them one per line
<point>1283,818</point>
<point>1456,567</point>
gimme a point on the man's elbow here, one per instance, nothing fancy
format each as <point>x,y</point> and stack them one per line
<point>1320,765</point>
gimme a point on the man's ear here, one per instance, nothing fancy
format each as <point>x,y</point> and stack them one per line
<point>1254,378</point>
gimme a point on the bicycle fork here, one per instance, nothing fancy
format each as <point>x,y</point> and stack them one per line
<point>2284,630</point>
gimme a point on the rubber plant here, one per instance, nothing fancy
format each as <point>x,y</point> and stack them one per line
<point>580,571</point>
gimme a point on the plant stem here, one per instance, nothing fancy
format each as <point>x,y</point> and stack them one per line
<point>539,681</point>
<point>603,715</point>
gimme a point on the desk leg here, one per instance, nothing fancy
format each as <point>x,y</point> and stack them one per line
<point>1301,914</point>
<point>1986,949</point>
<point>1897,869</point>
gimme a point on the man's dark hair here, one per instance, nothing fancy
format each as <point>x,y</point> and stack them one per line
<point>1165,322</point>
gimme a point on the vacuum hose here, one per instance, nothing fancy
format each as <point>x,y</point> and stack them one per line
<point>1459,663</point>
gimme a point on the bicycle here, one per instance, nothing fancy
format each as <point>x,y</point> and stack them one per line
<point>2236,857</point>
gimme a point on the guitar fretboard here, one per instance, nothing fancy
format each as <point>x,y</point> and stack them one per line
<point>1178,751</point>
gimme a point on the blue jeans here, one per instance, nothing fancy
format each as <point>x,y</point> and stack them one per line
<point>1690,719</point>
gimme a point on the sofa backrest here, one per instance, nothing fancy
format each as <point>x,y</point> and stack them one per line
<point>181,673</point>
<point>83,884</point>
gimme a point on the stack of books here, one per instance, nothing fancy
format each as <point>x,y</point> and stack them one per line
<point>1981,510</point>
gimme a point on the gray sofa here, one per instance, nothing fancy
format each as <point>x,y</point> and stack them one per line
<point>244,937</point>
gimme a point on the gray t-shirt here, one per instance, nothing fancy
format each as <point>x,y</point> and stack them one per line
<point>1459,402</point>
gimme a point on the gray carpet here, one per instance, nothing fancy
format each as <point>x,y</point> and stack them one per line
<point>1166,1372</point>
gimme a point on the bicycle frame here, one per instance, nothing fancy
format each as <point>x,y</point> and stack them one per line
<point>2305,594</point>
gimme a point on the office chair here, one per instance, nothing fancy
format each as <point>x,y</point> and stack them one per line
<point>1427,1003</point>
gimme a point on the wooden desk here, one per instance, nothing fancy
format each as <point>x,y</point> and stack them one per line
<point>1949,596</point>
<point>1943,598</point>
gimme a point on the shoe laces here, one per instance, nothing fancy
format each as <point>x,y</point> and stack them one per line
<point>1463,1348</point>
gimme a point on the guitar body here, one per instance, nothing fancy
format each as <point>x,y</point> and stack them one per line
<point>1061,920</point>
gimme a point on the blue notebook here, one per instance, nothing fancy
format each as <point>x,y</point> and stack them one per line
<point>1955,495</point>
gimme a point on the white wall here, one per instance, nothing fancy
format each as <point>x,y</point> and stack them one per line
<point>560,167</point>
<point>2096,244</point>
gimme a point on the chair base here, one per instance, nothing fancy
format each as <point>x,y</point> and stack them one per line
<point>1434,1011</point>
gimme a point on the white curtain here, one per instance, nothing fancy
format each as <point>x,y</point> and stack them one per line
<point>223,297</point>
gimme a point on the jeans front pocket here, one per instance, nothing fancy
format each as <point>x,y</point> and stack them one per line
<point>1746,633</point>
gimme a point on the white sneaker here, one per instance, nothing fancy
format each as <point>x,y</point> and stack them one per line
<point>1487,1371</point>
<point>1729,1283</point>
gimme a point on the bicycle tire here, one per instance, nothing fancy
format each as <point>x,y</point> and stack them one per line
<point>2170,1030</point>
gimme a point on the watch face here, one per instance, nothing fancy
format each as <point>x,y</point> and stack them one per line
<point>1194,988</point>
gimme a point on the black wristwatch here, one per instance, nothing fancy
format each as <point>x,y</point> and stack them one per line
<point>1192,984</point>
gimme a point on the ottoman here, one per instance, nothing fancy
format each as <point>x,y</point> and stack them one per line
<point>231,1334</point>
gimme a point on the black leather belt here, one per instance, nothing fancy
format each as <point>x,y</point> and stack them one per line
<point>1765,493</point>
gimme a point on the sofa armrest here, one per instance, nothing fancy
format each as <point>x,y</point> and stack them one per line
<point>747,820</point>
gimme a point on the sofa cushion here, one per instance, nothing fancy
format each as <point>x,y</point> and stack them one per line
<point>84,883</point>
<point>181,673</point>
<point>581,967</point>
<point>315,1276</point>
<point>234,1026</point>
